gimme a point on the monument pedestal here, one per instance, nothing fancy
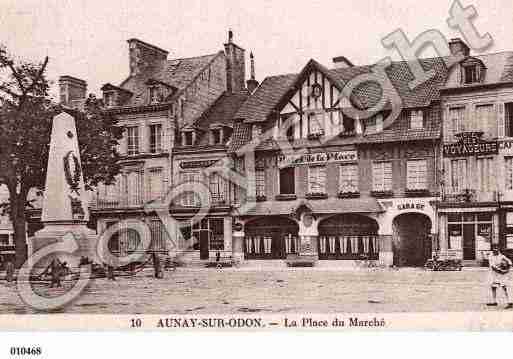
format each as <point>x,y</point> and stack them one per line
<point>75,239</point>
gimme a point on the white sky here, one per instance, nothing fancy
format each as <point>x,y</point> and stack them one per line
<point>87,38</point>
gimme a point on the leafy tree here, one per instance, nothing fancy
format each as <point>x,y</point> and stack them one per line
<point>26,112</point>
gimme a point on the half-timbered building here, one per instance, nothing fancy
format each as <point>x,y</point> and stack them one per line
<point>326,185</point>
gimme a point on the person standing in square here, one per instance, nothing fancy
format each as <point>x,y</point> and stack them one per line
<point>499,276</point>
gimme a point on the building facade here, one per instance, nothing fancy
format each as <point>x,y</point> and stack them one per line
<point>477,104</point>
<point>325,186</point>
<point>169,110</point>
<point>390,173</point>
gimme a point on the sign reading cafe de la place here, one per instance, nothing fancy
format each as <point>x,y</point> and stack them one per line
<point>322,157</point>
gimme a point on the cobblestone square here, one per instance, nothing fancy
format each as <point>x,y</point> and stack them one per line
<point>232,291</point>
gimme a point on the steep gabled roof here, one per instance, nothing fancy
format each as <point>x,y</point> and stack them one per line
<point>176,73</point>
<point>260,104</point>
<point>222,111</point>
<point>275,88</point>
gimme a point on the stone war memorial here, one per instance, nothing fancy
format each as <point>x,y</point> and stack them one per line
<point>65,212</point>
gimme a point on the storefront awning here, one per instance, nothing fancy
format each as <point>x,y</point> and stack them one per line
<point>319,206</point>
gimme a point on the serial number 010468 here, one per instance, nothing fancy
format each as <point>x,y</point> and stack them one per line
<point>26,351</point>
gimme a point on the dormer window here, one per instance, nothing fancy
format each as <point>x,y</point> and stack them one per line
<point>188,138</point>
<point>471,74</point>
<point>416,119</point>
<point>109,98</point>
<point>216,134</point>
<point>374,124</point>
<point>256,131</point>
<point>155,94</point>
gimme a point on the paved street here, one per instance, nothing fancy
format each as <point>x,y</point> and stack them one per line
<point>205,291</point>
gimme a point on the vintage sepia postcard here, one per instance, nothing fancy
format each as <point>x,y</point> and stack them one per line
<point>235,166</point>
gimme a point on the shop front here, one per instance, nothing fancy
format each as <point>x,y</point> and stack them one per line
<point>348,237</point>
<point>469,233</point>
<point>271,237</point>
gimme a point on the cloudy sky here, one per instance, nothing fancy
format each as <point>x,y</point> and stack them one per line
<point>87,38</point>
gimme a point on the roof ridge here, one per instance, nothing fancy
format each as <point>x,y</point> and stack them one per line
<point>193,57</point>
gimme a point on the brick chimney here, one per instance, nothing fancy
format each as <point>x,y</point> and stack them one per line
<point>143,55</point>
<point>252,84</point>
<point>235,65</point>
<point>458,47</point>
<point>71,90</point>
<point>341,62</point>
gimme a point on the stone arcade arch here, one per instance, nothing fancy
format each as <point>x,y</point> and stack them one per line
<point>411,240</point>
<point>348,237</point>
<point>270,237</point>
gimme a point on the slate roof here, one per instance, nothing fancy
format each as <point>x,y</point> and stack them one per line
<point>274,89</point>
<point>221,112</point>
<point>263,101</point>
<point>176,73</point>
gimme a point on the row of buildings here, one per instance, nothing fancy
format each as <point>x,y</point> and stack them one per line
<point>317,181</point>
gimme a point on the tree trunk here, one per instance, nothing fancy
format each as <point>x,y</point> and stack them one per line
<point>20,233</point>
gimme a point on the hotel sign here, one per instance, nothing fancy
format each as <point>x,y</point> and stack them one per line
<point>318,158</point>
<point>470,144</point>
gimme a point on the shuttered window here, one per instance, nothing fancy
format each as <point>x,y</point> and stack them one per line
<point>260,182</point>
<point>156,138</point>
<point>134,185</point>
<point>382,176</point>
<point>217,186</point>
<point>486,120</point>
<point>190,199</point>
<point>459,175</point>
<point>485,174</point>
<point>317,179</point>
<point>457,120</point>
<point>132,140</point>
<point>155,183</point>
<point>416,119</point>
<point>509,173</point>
<point>416,172</point>
<point>348,179</point>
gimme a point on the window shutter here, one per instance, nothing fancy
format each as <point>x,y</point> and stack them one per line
<point>501,126</point>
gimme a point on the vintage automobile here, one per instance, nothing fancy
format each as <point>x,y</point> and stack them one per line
<point>444,262</point>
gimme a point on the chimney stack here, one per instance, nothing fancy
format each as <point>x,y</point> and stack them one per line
<point>458,47</point>
<point>341,62</point>
<point>71,90</point>
<point>252,84</point>
<point>143,55</point>
<point>235,65</point>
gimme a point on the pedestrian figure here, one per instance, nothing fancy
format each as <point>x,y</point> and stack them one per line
<point>218,260</point>
<point>9,271</point>
<point>110,272</point>
<point>157,265</point>
<point>56,270</point>
<point>499,276</point>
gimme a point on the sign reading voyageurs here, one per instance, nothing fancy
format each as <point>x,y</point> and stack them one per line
<point>470,144</point>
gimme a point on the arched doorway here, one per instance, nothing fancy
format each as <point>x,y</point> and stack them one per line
<point>270,237</point>
<point>411,239</point>
<point>348,236</point>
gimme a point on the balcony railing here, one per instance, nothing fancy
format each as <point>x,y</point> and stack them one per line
<point>136,202</point>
